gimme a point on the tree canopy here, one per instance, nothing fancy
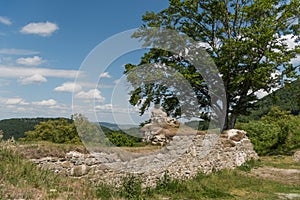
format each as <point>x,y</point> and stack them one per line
<point>246,39</point>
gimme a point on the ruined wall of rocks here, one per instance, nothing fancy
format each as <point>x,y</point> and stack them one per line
<point>183,157</point>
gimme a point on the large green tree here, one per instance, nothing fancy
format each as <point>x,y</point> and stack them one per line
<point>246,40</point>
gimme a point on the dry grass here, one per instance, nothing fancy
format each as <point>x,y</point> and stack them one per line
<point>35,150</point>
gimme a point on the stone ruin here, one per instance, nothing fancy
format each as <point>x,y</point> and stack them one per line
<point>183,155</point>
<point>158,131</point>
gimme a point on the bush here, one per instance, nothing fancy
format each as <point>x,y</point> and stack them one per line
<point>56,131</point>
<point>276,133</point>
<point>120,139</point>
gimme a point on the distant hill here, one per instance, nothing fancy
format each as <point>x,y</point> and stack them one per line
<point>117,127</point>
<point>287,98</point>
<point>16,127</point>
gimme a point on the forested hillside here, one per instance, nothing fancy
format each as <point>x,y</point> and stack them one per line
<point>286,98</point>
<point>16,127</point>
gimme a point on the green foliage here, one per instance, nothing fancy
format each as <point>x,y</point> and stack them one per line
<point>17,127</point>
<point>131,187</point>
<point>56,131</point>
<point>276,133</point>
<point>247,166</point>
<point>167,183</point>
<point>245,40</point>
<point>104,191</point>
<point>120,139</point>
<point>63,130</point>
<point>89,132</point>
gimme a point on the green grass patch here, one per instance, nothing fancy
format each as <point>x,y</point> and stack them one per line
<point>21,179</point>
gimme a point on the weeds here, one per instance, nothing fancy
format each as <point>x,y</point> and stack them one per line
<point>247,166</point>
<point>131,187</point>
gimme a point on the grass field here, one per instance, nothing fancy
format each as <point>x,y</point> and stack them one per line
<point>21,179</point>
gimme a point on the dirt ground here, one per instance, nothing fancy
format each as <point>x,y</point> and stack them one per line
<point>286,176</point>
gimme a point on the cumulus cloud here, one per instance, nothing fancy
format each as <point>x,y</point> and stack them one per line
<point>14,101</point>
<point>68,87</point>
<point>31,61</point>
<point>13,51</point>
<point>34,79</point>
<point>50,102</point>
<point>16,72</point>
<point>105,75</point>
<point>5,20</point>
<point>43,29</point>
<point>93,94</point>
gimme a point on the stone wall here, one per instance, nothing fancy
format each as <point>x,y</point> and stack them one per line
<point>183,157</point>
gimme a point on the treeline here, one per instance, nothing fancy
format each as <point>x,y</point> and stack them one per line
<point>65,131</point>
<point>286,98</point>
<point>16,127</point>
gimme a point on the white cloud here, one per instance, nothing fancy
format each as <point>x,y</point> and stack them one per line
<point>5,20</point>
<point>262,93</point>
<point>14,101</point>
<point>43,29</point>
<point>34,79</point>
<point>105,75</point>
<point>13,51</point>
<point>290,41</point>
<point>68,87</point>
<point>31,61</point>
<point>117,81</point>
<point>50,102</point>
<point>93,94</point>
<point>104,107</point>
<point>16,72</point>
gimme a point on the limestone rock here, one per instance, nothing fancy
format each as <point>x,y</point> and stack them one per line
<point>296,156</point>
<point>157,132</point>
<point>235,134</point>
<point>79,170</point>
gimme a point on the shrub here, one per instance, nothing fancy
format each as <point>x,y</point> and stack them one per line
<point>56,131</point>
<point>120,139</point>
<point>276,133</point>
<point>131,187</point>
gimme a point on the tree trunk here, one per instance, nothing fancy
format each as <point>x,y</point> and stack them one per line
<point>232,120</point>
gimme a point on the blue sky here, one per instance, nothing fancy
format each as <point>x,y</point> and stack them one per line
<point>44,43</point>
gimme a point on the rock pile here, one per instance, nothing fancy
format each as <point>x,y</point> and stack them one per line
<point>159,130</point>
<point>296,156</point>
